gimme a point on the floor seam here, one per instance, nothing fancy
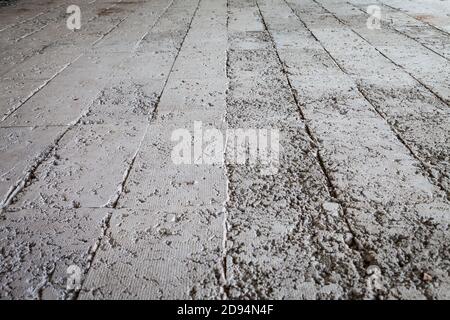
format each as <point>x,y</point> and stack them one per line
<point>224,284</point>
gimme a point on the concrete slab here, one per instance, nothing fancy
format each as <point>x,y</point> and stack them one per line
<point>157,181</point>
<point>21,147</point>
<point>39,246</point>
<point>66,179</point>
<point>159,254</point>
<point>101,173</point>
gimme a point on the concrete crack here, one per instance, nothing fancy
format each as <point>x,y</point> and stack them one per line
<point>136,46</point>
<point>112,203</point>
<point>155,112</point>
<point>31,33</point>
<point>91,255</point>
<point>23,21</point>
<point>109,31</point>
<point>224,276</point>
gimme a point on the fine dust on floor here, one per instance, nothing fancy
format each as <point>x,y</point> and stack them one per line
<point>93,205</point>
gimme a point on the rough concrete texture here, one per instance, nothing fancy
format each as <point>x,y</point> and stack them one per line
<point>358,207</point>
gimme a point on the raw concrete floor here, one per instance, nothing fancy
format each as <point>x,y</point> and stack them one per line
<point>359,208</point>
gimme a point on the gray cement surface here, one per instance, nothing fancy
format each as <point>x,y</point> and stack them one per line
<point>93,205</point>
